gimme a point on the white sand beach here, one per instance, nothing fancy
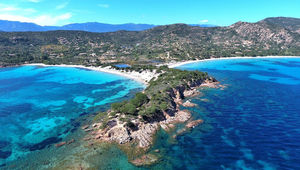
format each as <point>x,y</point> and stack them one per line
<point>143,77</point>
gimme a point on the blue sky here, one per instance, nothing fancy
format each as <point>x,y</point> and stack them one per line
<point>160,12</point>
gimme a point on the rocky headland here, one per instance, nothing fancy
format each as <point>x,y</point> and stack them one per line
<point>134,123</point>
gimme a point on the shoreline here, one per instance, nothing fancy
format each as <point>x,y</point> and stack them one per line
<point>177,64</point>
<point>143,77</point>
<point>146,76</point>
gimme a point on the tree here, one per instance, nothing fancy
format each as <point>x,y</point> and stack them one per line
<point>129,108</point>
<point>117,106</point>
<point>140,99</point>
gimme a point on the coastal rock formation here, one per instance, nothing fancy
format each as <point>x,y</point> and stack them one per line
<point>134,123</point>
<point>122,134</point>
<point>143,135</point>
<point>119,134</point>
<point>188,104</point>
<point>194,123</point>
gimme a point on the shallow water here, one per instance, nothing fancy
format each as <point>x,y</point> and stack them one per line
<point>40,106</point>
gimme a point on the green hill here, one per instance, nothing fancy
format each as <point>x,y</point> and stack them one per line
<point>272,36</point>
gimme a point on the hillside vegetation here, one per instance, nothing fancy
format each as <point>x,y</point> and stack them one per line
<point>272,36</point>
<point>157,98</point>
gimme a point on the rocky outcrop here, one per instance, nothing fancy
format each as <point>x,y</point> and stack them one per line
<point>179,117</point>
<point>194,123</point>
<point>119,134</point>
<point>142,134</point>
<point>189,104</point>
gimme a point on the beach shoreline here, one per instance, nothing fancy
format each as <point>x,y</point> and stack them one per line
<point>177,64</point>
<point>143,77</point>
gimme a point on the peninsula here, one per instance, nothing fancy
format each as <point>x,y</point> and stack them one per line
<point>134,123</point>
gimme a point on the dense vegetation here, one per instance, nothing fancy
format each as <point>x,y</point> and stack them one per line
<point>150,104</point>
<point>272,36</point>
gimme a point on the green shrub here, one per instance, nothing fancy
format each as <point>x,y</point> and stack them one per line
<point>139,99</point>
<point>128,108</point>
<point>117,106</point>
<point>100,116</point>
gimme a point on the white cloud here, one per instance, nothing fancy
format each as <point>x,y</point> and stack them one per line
<point>103,5</point>
<point>34,1</point>
<point>61,6</point>
<point>9,9</point>
<point>30,10</point>
<point>40,20</point>
<point>203,21</point>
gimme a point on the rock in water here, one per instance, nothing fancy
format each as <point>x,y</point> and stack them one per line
<point>194,123</point>
<point>188,104</point>
<point>60,144</point>
<point>147,159</point>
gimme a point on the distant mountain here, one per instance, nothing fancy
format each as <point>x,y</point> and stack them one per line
<point>100,27</point>
<point>292,24</point>
<point>15,26</point>
<point>271,36</point>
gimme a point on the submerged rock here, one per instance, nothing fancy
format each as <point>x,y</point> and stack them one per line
<point>44,143</point>
<point>147,159</point>
<point>60,144</point>
<point>70,141</point>
<point>3,144</point>
<point>194,123</point>
<point>4,154</point>
<point>85,127</point>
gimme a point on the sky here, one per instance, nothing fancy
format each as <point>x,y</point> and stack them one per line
<point>158,12</point>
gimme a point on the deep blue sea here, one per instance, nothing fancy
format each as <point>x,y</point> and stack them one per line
<point>40,106</point>
<point>253,123</point>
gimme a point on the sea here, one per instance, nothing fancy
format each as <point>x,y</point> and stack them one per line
<point>41,106</point>
<point>253,122</point>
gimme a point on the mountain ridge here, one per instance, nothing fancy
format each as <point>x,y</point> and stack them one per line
<point>16,26</point>
<point>163,43</point>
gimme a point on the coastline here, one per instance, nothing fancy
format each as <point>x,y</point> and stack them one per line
<point>181,116</point>
<point>177,64</point>
<point>143,77</point>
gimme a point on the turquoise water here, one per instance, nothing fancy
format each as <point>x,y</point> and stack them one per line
<point>254,123</point>
<point>40,106</point>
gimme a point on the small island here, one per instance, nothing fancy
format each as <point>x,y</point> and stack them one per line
<point>133,124</point>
